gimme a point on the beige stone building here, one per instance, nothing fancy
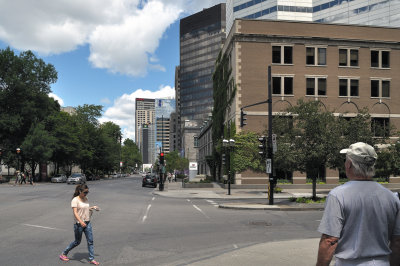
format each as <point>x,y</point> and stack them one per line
<point>346,67</point>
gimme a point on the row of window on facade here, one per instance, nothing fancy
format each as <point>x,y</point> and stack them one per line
<point>317,86</point>
<point>317,56</point>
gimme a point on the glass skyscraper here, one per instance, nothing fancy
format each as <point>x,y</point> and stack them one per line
<point>362,12</point>
<point>201,38</point>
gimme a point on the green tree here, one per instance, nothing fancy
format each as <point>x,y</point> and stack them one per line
<point>63,128</point>
<point>224,91</point>
<point>108,149</point>
<point>86,118</point>
<point>24,87</point>
<point>245,155</point>
<point>131,155</point>
<point>314,139</point>
<point>175,162</point>
<point>38,146</point>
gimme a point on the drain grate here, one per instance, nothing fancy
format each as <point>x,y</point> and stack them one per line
<point>260,223</point>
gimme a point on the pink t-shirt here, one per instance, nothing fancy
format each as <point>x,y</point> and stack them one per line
<point>82,208</point>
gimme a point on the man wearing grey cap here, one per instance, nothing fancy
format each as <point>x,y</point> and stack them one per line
<point>361,221</point>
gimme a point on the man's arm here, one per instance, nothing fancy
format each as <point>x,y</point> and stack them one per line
<point>395,247</point>
<point>327,247</point>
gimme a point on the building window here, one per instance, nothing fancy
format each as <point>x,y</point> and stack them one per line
<point>315,56</point>
<point>282,54</point>
<point>316,86</point>
<point>380,88</point>
<point>380,126</point>
<point>348,87</point>
<point>348,57</point>
<point>380,59</point>
<point>282,85</point>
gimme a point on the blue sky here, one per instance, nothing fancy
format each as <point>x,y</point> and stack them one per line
<point>106,52</point>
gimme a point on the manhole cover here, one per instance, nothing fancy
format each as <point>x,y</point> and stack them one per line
<point>260,223</point>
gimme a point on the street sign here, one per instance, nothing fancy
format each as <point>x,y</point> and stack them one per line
<point>274,145</point>
<point>268,166</point>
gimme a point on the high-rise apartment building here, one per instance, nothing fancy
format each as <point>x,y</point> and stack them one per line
<point>364,12</point>
<point>145,126</point>
<point>144,114</point>
<point>201,38</point>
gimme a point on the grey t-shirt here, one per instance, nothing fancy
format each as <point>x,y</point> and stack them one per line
<point>364,215</point>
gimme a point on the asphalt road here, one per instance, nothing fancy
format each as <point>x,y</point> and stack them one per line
<point>135,227</point>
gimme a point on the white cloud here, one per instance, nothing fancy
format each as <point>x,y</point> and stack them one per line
<point>122,112</point>
<point>123,35</point>
<point>105,101</point>
<point>57,98</point>
<point>131,41</point>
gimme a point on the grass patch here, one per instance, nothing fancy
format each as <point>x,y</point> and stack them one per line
<point>307,200</point>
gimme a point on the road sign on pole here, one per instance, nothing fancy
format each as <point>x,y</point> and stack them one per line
<point>268,166</point>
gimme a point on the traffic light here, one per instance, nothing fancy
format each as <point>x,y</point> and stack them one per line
<point>223,159</point>
<point>242,118</point>
<point>263,146</point>
<point>162,158</point>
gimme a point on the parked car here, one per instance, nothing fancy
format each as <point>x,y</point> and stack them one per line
<point>76,178</point>
<point>59,178</point>
<point>150,180</point>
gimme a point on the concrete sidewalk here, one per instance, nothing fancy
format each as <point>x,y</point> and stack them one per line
<point>301,252</point>
<point>258,197</point>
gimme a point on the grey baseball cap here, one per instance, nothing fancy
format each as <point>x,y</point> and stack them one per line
<point>361,153</point>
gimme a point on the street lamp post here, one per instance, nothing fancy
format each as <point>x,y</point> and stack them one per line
<point>229,146</point>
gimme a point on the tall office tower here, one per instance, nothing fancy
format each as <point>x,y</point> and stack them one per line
<point>364,12</point>
<point>177,122</point>
<point>201,38</point>
<point>271,9</point>
<point>173,132</point>
<point>163,110</point>
<point>144,114</point>
<point>146,144</point>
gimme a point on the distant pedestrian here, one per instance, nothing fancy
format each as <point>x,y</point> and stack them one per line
<point>30,178</point>
<point>17,177</point>
<point>22,179</point>
<point>361,221</point>
<point>82,213</point>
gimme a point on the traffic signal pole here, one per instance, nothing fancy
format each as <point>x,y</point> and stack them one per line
<point>270,151</point>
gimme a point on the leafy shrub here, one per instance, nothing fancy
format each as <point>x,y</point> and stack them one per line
<point>307,200</point>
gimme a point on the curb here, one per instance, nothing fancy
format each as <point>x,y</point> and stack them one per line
<point>270,207</point>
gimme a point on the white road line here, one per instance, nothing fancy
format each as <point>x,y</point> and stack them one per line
<point>188,200</point>
<point>44,227</point>
<point>147,212</point>
<point>197,208</point>
<point>153,198</point>
<point>235,246</point>
<point>213,203</point>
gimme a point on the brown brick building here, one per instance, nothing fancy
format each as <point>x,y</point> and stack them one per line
<point>345,67</point>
